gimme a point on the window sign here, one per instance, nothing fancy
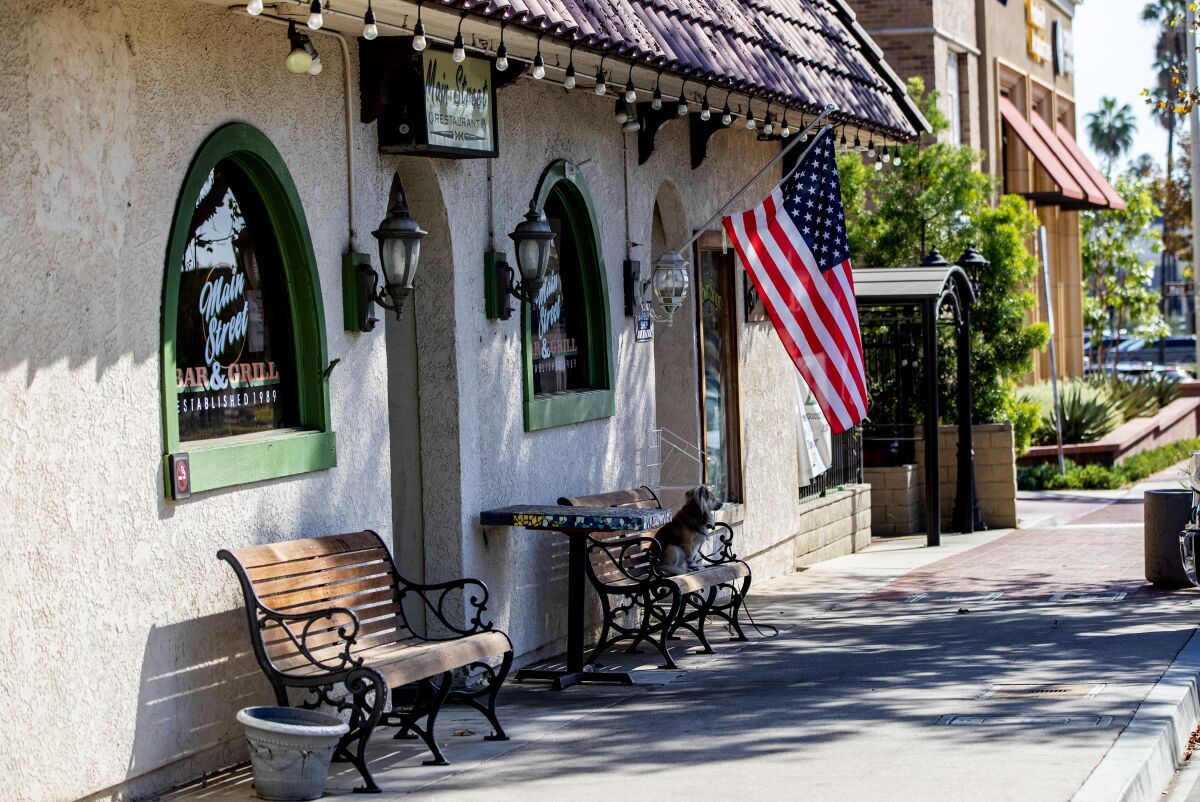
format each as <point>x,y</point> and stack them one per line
<point>234,373</point>
<point>1064,50</point>
<point>558,316</point>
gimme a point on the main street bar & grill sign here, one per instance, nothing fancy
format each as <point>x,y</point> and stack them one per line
<point>444,108</point>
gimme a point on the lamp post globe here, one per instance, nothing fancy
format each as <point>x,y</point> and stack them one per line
<point>972,261</point>
<point>533,238</point>
<point>670,281</point>
<point>399,252</point>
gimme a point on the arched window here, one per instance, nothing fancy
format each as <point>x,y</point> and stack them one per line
<point>568,355</point>
<point>243,332</point>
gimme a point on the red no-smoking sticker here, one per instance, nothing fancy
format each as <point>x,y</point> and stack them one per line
<point>181,476</point>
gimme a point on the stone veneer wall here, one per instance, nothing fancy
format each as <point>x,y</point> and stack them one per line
<point>895,499</point>
<point>835,524</point>
<point>995,473</point>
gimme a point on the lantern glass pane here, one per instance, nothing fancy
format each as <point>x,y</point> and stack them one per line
<point>529,259</point>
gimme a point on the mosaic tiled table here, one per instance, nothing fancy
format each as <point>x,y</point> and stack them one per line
<point>576,523</point>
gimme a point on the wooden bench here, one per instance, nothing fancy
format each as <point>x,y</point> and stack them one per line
<point>330,611</point>
<point>624,571</point>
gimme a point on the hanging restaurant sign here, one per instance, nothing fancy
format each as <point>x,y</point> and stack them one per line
<point>438,107</point>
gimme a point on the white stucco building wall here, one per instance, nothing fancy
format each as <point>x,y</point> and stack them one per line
<point>121,629</point>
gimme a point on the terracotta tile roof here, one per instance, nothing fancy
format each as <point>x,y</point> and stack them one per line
<point>805,53</point>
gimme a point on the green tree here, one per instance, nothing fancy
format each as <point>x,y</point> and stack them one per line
<point>1115,274</point>
<point>1110,130</point>
<point>938,197</point>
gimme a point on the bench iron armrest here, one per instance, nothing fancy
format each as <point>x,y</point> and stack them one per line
<point>724,552</point>
<point>618,550</point>
<point>435,596</point>
<point>323,620</point>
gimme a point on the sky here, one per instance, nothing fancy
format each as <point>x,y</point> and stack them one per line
<point>1114,51</point>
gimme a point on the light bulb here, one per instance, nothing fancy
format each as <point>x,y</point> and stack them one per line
<point>878,167</point>
<point>539,67</point>
<point>896,160</point>
<point>254,8</point>
<point>871,149</point>
<point>726,114</point>
<point>682,108</point>
<point>887,155</point>
<point>419,41</point>
<point>705,113</point>
<point>804,137</point>
<point>630,92</point>
<point>502,57</point>
<point>370,29</point>
<point>621,114</point>
<point>316,66</point>
<point>601,85</point>
<point>786,131</point>
<point>298,61</point>
<point>569,81</point>
<point>656,103</point>
<point>459,54</point>
<point>768,125</point>
<point>315,18</point>
<point>751,123</point>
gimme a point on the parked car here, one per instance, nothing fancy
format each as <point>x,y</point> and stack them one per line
<point>1174,350</point>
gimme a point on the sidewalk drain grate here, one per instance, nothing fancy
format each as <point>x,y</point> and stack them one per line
<point>1019,691</point>
<point>954,598</point>
<point>1089,597</point>
<point>1026,721</point>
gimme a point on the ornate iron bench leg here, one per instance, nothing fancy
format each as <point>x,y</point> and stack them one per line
<point>496,678</point>
<point>364,715</point>
<point>665,628</point>
<point>734,618</point>
<point>427,704</point>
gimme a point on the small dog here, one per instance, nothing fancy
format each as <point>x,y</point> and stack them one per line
<point>682,538</point>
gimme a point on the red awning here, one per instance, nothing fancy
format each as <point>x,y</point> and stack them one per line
<point>1068,187</point>
<point>1114,200</point>
<point>1081,176</point>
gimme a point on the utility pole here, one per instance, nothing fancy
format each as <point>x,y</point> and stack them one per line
<point>1194,119</point>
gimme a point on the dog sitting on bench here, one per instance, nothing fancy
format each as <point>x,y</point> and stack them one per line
<point>683,537</point>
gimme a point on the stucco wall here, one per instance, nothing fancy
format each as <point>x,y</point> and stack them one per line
<point>131,637</point>
<point>123,647</point>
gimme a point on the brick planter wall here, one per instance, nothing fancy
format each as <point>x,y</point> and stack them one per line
<point>895,499</point>
<point>835,524</point>
<point>995,473</point>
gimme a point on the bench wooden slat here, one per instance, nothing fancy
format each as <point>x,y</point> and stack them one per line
<point>287,551</point>
<point>636,498</point>
<point>272,589</point>
<point>314,564</point>
<point>355,603</point>
<point>333,594</point>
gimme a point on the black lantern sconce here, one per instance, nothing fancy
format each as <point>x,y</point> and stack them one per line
<point>668,286</point>
<point>972,261</point>
<point>399,238</point>
<point>532,240</point>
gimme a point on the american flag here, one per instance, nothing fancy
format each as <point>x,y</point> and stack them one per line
<point>794,247</point>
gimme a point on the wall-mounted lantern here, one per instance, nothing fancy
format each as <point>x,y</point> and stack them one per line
<point>399,238</point>
<point>533,239</point>
<point>669,286</point>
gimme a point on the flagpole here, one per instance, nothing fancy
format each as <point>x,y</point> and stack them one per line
<point>829,109</point>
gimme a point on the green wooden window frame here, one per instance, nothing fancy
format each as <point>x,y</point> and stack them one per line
<point>561,409</point>
<point>223,462</point>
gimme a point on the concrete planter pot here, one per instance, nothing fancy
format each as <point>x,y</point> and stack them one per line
<point>1166,515</point>
<point>290,750</point>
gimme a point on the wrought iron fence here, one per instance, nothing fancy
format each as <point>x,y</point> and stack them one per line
<point>846,469</point>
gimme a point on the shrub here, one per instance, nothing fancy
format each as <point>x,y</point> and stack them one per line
<point>1025,418</point>
<point>1088,411</point>
<point>1141,397</point>
<point>1099,477</point>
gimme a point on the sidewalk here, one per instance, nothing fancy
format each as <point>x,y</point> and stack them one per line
<point>1001,666</point>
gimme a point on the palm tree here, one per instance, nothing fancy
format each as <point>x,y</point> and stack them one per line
<point>1111,130</point>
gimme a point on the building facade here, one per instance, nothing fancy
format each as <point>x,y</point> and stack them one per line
<point>1004,72</point>
<point>189,363</point>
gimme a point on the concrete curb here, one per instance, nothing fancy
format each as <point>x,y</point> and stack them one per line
<point>1038,522</point>
<point>1143,759</point>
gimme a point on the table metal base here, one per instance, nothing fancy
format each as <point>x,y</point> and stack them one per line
<point>562,678</point>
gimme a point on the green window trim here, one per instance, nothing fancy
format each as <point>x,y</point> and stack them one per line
<point>252,458</point>
<point>561,409</point>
